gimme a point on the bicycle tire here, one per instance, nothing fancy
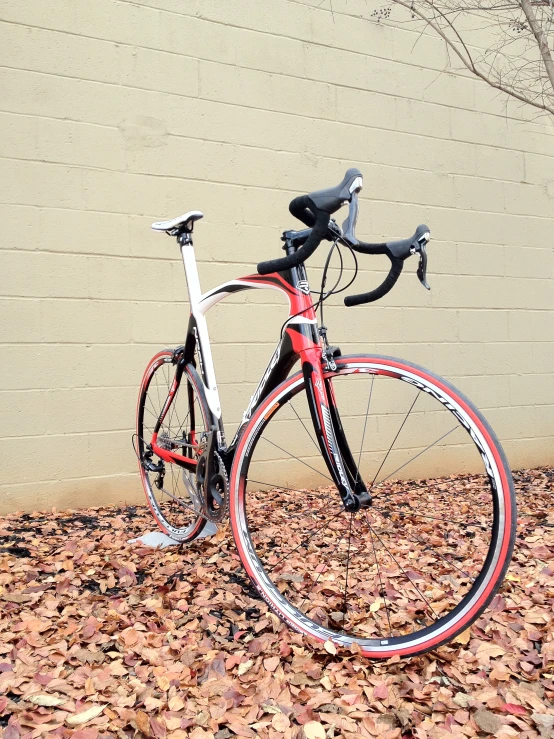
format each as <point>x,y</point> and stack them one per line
<point>162,362</point>
<point>252,542</point>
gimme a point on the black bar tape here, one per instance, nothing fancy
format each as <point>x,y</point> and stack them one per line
<point>379,292</point>
<point>365,248</point>
<point>303,209</point>
<point>319,232</point>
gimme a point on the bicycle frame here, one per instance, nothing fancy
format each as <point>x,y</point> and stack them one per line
<point>300,341</point>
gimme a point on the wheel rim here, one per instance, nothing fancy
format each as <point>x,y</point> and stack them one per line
<point>347,576</point>
<point>176,506</point>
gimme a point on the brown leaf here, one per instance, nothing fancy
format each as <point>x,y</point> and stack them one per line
<point>175,703</point>
<point>158,728</point>
<point>314,730</point>
<point>463,638</point>
<point>46,700</point>
<point>244,667</point>
<point>143,723</point>
<point>280,722</point>
<point>381,691</point>
<point>84,717</point>
<point>16,598</point>
<point>271,663</point>
<point>487,721</point>
<point>545,724</point>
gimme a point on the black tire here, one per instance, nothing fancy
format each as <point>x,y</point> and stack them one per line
<point>176,516</point>
<point>429,528</point>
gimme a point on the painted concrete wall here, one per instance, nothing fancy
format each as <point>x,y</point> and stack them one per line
<point>115,114</point>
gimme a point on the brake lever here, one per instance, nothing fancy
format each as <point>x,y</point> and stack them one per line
<point>422,267</point>
<point>349,226</point>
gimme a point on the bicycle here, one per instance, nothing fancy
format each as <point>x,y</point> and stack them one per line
<point>337,553</point>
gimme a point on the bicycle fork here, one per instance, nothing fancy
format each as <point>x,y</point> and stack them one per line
<point>330,434</point>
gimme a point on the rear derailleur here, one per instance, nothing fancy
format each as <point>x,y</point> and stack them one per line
<point>150,466</point>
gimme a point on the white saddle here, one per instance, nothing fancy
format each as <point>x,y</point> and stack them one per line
<point>185,222</point>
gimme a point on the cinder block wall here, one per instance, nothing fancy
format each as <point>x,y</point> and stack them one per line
<point>117,113</point>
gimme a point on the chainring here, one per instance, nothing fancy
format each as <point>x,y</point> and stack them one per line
<point>215,513</point>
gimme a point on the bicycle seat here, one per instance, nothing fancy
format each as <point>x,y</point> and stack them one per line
<point>185,221</point>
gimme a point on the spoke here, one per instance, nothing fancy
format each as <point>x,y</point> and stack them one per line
<point>173,409</point>
<point>302,542</point>
<point>180,429</point>
<point>297,459</point>
<point>365,426</point>
<point>347,566</point>
<point>424,515</point>
<point>393,442</point>
<point>158,391</point>
<point>413,537</point>
<point>458,426</point>
<point>156,415</point>
<point>381,586</point>
<point>149,411</point>
<point>184,505</point>
<point>175,491</point>
<point>292,490</point>
<point>308,513</point>
<point>400,566</point>
<point>320,573</point>
<point>303,424</point>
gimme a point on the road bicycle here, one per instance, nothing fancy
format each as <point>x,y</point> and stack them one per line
<point>370,501</point>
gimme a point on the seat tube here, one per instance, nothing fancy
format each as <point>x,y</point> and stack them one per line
<point>193,285</point>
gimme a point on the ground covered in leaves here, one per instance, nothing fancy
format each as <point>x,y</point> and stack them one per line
<point>101,638</point>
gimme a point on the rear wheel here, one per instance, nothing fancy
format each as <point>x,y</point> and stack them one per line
<point>171,490</point>
<point>417,567</point>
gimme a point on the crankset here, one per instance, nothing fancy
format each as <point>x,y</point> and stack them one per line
<point>212,483</point>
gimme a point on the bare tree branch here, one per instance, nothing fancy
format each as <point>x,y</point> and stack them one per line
<point>461,49</point>
<point>508,44</point>
<point>541,38</point>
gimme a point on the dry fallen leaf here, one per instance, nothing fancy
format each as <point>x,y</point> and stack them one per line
<point>143,722</point>
<point>463,638</point>
<point>280,722</point>
<point>271,663</point>
<point>82,718</point>
<point>244,667</point>
<point>330,647</point>
<point>314,730</point>
<point>545,724</point>
<point>487,721</point>
<point>46,700</point>
<point>177,642</point>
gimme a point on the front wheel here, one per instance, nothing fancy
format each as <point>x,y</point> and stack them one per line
<point>421,564</point>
